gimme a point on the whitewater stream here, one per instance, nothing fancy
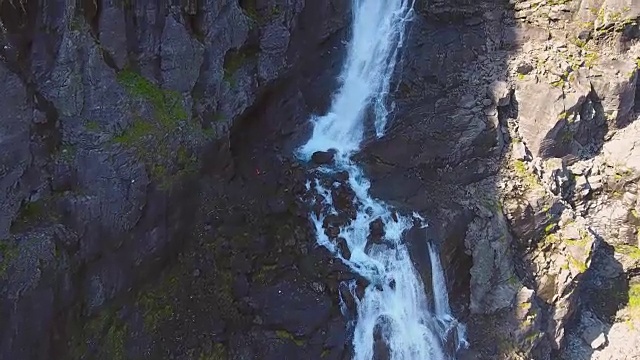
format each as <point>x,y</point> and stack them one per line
<point>415,324</point>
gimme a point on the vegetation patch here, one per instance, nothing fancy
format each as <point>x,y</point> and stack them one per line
<point>35,213</point>
<point>67,153</point>
<point>136,132</point>
<point>590,59</point>
<point>8,253</point>
<point>634,298</point>
<point>102,337</point>
<point>285,335</point>
<point>233,61</point>
<point>155,141</point>
<point>219,352</point>
<point>580,266</point>
<point>155,302</point>
<point>92,126</point>
<point>549,228</point>
<point>528,179</point>
<point>167,104</point>
<point>629,250</point>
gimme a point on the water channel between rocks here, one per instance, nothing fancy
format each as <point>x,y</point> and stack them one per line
<point>367,234</point>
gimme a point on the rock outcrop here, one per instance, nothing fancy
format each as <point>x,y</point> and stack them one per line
<point>570,189</point>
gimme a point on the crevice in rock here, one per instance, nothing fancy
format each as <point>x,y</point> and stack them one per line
<point>89,10</point>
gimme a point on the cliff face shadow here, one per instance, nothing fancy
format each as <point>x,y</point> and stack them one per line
<point>443,150</point>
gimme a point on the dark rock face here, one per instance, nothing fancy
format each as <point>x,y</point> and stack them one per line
<point>323,157</point>
<point>119,138</point>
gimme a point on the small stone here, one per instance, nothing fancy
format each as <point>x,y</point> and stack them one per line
<point>629,199</point>
<point>318,287</point>
<point>376,231</point>
<point>467,101</point>
<point>524,68</point>
<point>584,35</point>
<point>323,157</point>
<point>500,93</point>
<point>344,248</point>
<point>594,336</point>
<point>473,21</point>
<point>487,102</point>
<point>196,272</point>
<point>491,111</point>
<point>520,151</point>
<point>582,186</point>
<point>595,182</point>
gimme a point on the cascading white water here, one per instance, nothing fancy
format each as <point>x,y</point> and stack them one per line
<point>395,301</point>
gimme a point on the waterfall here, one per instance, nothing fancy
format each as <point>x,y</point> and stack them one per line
<point>394,302</point>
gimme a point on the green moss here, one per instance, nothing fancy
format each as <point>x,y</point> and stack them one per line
<point>521,76</point>
<point>551,239</point>
<point>276,10</point>
<point>184,158</point>
<point>103,337</point>
<point>219,352</point>
<point>634,297</point>
<point>529,179</point>
<point>155,303</point>
<point>577,264</point>
<point>209,132</point>
<point>232,63</point>
<point>219,117</point>
<point>67,153</point>
<point>152,138</point>
<point>76,23</point>
<point>558,83</point>
<point>549,228</point>
<point>285,335</point>
<point>92,126</point>
<point>580,43</point>
<point>531,338</point>
<point>524,305</point>
<point>167,104</point>
<point>590,59</point>
<point>252,14</point>
<point>114,341</point>
<point>629,250</point>
<point>8,253</point>
<point>557,2</point>
<point>135,133</point>
<point>513,280</point>
<point>35,213</point>
<point>622,173</point>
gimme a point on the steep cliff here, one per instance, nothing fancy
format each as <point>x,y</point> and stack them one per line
<point>150,205</point>
<point>117,127</point>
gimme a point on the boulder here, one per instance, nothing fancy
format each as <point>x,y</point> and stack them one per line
<point>544,112</point>
<point>500,93</point>
<point>614,85</point>
<point>323,157</point>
